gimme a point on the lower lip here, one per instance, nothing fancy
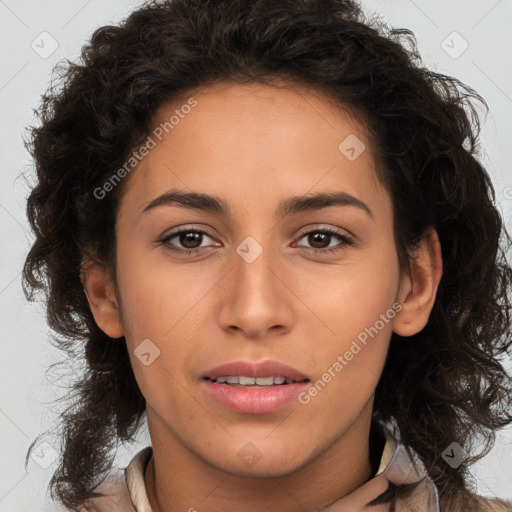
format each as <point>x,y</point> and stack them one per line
<point>255,400</point>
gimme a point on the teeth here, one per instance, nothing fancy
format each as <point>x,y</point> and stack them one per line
<point>263,381</point>
<point>243,380</point>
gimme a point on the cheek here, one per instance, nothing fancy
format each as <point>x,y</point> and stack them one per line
<point>163,312</point>
<point>350,360</point>
<point>356,323</point>
<point>354,296</point>
<point>157,296</point>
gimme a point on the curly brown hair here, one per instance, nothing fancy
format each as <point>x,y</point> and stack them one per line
<point>449,385</point>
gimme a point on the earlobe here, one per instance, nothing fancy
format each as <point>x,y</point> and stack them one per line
<point>418,290</point>
<point>99,289</point>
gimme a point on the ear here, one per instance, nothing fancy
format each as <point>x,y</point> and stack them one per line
<point>418,290</point>
<point>99,289</point>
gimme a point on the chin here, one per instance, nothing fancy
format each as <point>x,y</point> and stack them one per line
<point>250,461</point>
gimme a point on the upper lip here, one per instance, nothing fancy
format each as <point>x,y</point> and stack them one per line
<point>267,368</point>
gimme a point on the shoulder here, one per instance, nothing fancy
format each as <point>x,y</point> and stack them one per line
<point>494,504</point>
<point>124,488</point>
<point>116,496</point>
<point>478,504</point>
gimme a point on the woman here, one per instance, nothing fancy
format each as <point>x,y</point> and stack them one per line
<point>191,171</point>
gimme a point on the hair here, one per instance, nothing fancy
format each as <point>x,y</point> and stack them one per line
<point>445,384</point>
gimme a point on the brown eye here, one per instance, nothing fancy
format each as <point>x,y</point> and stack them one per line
<point>320,240</point>
<point>189,239</point>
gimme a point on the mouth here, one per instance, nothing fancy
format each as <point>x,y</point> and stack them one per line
<point>248,373</point>
<point>255,382</point>
<point>254,388</point>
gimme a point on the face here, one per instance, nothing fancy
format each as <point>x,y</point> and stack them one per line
<point>257,277</point>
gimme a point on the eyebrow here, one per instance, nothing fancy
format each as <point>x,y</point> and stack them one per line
<point>295,204</point>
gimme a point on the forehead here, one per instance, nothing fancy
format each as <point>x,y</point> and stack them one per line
<point>260,105</point>
<point>246,138</point>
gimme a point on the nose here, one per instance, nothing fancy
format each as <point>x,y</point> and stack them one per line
<point>257,300</point>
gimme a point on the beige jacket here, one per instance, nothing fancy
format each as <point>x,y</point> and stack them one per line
<point>126,490</point>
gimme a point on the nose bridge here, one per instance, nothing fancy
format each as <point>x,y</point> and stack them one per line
<point>253,268</point>
<point>255,298</point>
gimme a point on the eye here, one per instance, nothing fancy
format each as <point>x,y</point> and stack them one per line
<point>321,239</point>
<point>190,240</point>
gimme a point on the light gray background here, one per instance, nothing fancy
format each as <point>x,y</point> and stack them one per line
<point>26,407</point>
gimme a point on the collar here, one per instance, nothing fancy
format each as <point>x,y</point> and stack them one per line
<point>395,467</point>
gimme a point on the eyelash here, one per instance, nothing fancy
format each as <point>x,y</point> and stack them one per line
<point>346,241</point>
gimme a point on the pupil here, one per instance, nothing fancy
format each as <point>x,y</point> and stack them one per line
<point>187,238</point>
<point>316,235</point>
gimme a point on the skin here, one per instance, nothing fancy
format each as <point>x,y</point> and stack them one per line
<point>254,145</point>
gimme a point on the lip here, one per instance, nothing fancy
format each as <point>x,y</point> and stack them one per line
<point>255,400</point>
<point>267,368</point>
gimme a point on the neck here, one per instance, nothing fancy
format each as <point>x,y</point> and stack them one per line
<point>177,479</point>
